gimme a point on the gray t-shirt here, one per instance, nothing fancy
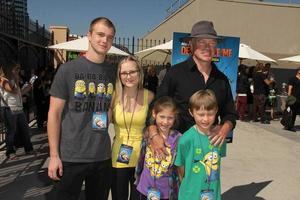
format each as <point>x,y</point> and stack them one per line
<point>87,88</point>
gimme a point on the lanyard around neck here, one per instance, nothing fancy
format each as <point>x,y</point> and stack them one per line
<point>129,128</point>
<point>210,167</point>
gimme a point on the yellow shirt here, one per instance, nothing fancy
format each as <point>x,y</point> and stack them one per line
<point>135,135</point>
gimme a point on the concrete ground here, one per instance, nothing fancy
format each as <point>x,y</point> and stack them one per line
<point>262,163</point>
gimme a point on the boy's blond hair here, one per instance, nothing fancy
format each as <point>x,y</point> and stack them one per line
<point>203,99</point>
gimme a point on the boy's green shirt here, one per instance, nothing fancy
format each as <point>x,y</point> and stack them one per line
<point>201,161</point>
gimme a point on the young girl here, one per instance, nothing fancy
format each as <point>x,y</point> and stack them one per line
<point>157,178</point>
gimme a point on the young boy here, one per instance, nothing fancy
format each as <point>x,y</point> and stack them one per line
<point>198,161</point>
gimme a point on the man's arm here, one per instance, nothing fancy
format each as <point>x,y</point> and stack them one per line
<point>268,81</point>
<point>290,88</point>
<point>55,168</point>
<point>228,116</point>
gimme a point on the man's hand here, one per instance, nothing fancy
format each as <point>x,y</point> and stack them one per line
<point>219,134</point>
<point>158,144</point>
<point>55,168</point>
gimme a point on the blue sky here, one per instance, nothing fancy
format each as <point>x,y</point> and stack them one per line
<point>131,17</point>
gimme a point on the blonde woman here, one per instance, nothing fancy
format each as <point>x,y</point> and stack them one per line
<point>129,111</point>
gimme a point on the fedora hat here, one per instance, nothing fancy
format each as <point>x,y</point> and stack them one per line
<point>203,29</point>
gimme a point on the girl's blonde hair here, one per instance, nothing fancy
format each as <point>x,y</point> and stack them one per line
<point>119,85</point>
<point>203,99</point>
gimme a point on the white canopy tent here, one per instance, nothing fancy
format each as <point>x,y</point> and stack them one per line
<point>291,59</point>
<point>161,52</point>
<point>81,45</point>
<point>246,52</point>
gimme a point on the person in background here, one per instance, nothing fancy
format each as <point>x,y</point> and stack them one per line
<point>12,110</point>
<point>196,73</point>
<point>242,90</point>
<point>39,96</point>
<point>294,90</point>
<point>260,81</point>
<point>129,111</point>
<point>271,90</point>
<point>198,161</point>
<point>156,176</point>
<point>163,72</point>
<point>26,97</point>
<point>250,72</point>
<point>79,143</point>
<point>151,80</point>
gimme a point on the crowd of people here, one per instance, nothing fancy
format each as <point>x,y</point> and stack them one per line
<point>170,133</point>
<point>258,94</point>
<point>16,92</point>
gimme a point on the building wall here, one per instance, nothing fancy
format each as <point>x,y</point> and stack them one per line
<point>272,29</point>
<point>60,34</point>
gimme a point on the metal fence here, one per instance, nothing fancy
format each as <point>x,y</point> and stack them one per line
<point>29,31</point>
<point>133,45</point>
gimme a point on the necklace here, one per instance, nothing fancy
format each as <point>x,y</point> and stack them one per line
<point>128,128</point>
<point>207,167</point>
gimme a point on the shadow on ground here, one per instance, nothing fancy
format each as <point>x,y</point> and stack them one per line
<point>245,192</point>
<point>25,178</point>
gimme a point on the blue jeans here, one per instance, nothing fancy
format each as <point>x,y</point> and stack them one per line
<point>16,124</point>
<point>97,177</point>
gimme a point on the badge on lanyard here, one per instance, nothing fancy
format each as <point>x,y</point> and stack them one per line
<point>153,194</point>
<point>99,121</point>
<point>124,153</point>
<point>207,195</point>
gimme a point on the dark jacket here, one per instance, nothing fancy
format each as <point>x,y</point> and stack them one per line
<point>184,79</point>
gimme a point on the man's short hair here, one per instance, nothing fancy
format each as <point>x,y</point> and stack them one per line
<point>203,99</point>
<point>105,21</point>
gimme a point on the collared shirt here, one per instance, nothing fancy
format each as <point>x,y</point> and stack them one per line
<point>184,79</point>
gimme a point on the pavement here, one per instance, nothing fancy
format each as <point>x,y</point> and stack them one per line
<point>262,163</point>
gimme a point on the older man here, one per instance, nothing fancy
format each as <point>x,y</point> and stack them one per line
<point>196,73</point>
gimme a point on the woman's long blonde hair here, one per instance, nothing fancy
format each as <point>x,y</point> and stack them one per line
<point>119,85</point>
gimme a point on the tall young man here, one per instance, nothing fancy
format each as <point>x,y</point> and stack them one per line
<point>79,143</point>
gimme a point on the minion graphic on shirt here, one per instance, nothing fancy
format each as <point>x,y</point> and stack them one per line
<point>80,89</point>
<point>211,161</point>
<point>101,90</point>
<point>110,90</point>
<point>157,167</point>
<point>92,89</point>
